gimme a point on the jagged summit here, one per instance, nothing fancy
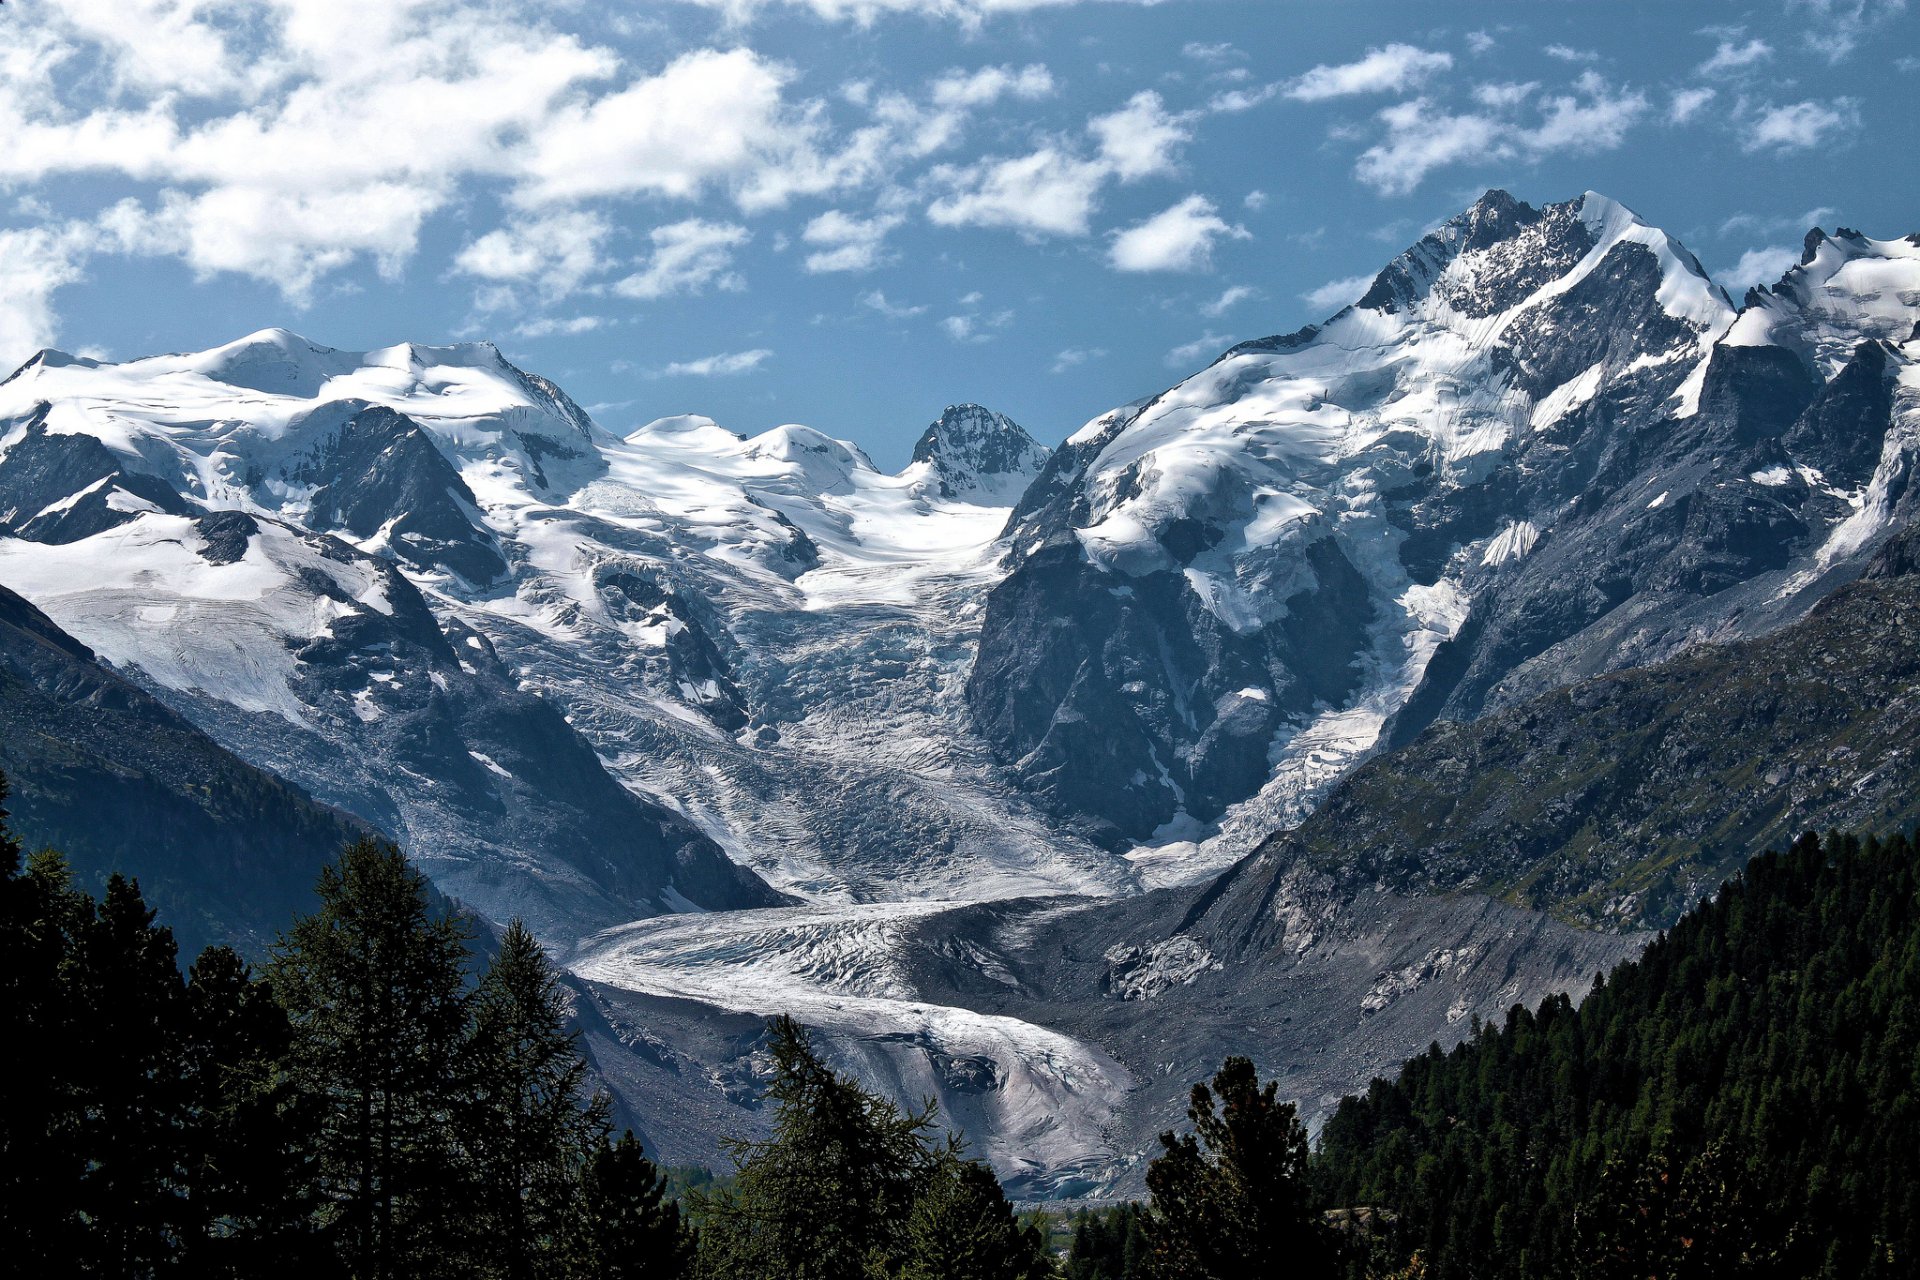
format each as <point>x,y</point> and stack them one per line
<point>975,454</point>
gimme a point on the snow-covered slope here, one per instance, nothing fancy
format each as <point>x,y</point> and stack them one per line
<point>1530,451</point>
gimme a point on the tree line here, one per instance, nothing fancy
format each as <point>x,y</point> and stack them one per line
<point>379,1101</point>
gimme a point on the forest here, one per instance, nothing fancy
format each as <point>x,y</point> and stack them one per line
<point>391,1095</point>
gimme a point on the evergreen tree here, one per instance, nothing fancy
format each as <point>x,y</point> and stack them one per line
<point>827,1197</point>
<point>625,1227</point>
<point>1109,1245</point>
<point>525,1129</point>
<point>962,1228</point>
<point>135,1105</point>
<point>374,987</point>
<point>251,1175</point>
<point>1230,1199</point>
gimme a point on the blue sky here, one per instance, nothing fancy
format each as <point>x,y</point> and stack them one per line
<point>851,213</point>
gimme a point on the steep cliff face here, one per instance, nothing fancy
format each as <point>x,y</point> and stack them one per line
<point>1539,447</point>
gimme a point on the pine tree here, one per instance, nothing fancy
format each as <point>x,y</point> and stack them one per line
<point>525,1129</point>
<point>827,1197</point>
<point>962,1228</point>
<point>1230,1199</point>
<point>625,1227</point>
<point>374,986</point>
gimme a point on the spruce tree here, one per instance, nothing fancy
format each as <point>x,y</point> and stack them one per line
<point>962,1228</point>
<point>1230,1199</point>
<point>625,1227</point>
<point>525,1129</point>
<point>827,1197</point>
<point>251,1172</point>
<point>374,987</point>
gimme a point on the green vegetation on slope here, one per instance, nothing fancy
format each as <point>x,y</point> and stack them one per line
<point>1744,1100</point>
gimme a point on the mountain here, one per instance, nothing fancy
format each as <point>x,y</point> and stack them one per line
<point>1541,446</point>
<point>950,762</point>
<point>103,772</point>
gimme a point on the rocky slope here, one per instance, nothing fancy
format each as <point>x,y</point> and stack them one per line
<point>1541,446</point>
<point>103,772</point>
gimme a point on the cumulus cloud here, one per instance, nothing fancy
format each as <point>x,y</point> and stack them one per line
<point>1047,192</point>
<point>555,253</point>
<point>969,13</point>
<point>1176,239</point>
<point>1567,53</point>
<point>975,327</point>
<point>989,84</point>
<point>687,257</point>
<point>1421,136</point>
<point>1688,103</point>
<point>1335,294</point>
<point>1799,126</point>
<point>1141,139</point>
<point>847,243</point>
<point>1757,267</point>
<point>1394,68</point>
<point>725,365</point>
<point>35,263</point>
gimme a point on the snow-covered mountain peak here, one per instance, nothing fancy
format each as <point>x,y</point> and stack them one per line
<point>973,454</point>
<point>1846,289</point>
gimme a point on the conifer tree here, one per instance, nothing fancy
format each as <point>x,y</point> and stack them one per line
<point>251,1172</point>
<point>962,1228</point>
<point>1230,1199</point>
<point>374,986</point>
<point>625,1226</point>
<point>827,1197</point>
<point>525,1128</point>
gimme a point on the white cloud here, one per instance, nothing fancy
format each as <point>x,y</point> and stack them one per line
<point>556,253</point>
<point>1392,69</point>
<point>1140,139</point>
<point>969,13</point>
<point>1176,239</point>
<point>1776,224</point>
<point>1208,343</point>
<point>1227,301</point>
<point>35,262</point>
<point>1576,126</point>
<point>1479,42</point>
<point>1335,294</point>
<point>877,301</point>
<point>1048,192</point>
<point>1421,138</point>
<point>1687,103</point>
<point>568,326</point>
<point>1732,57</point>
<point>1219,52</point>
<point>847,243</point>
<point>1255,201</point>
<point>1758,266</point>
<point>709,117</point>
<point>1799,125</point>
<point>1074,357</point>
<point>687,256</point>
<point>1232,101</point>
<point>1567,53</point>
<point>989,84</point>
<point>975,328</point>
<point>1504,95</point>
<point>726,365</point>
<point>1835,28</point>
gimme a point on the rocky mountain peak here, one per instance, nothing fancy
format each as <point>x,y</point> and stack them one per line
<point>973,452</point>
